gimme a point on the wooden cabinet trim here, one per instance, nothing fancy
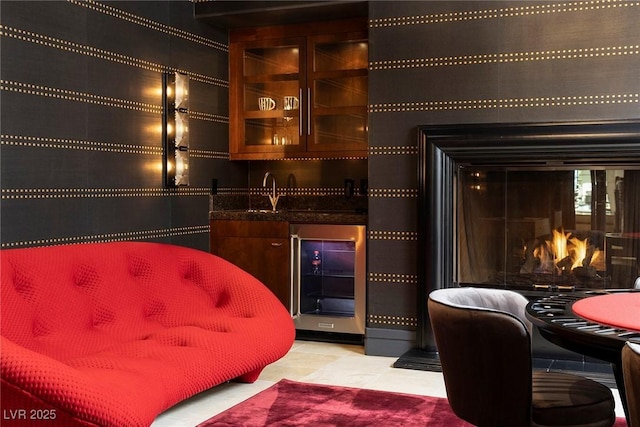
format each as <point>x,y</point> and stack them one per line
<point>297,30</point>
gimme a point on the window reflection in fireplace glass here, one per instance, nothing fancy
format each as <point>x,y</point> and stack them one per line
<point>548,229</point>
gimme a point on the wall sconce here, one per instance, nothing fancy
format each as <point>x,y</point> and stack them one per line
<point>175,128</point>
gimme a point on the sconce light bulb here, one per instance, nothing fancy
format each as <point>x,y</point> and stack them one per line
<point>181,92</point>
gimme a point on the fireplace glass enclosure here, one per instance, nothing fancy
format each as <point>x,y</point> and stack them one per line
<point>531,207</point>
<point>547,229</point>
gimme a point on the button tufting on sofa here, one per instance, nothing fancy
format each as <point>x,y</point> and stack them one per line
<point>139,267</point>
<point>87,277</point>
<point>155,308</point>
<point>103,316</point>
<point>23,285</point>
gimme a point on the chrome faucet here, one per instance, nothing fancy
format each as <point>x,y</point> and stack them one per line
<point>273,198</point>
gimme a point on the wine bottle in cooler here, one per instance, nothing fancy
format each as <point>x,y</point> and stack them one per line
<point>315,262</point>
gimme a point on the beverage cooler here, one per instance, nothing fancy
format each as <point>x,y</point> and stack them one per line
<point>328,270</point>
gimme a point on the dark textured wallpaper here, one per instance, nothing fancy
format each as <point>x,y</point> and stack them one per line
<point>81,116</point>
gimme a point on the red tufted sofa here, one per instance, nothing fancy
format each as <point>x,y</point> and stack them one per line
<point>112,334</point>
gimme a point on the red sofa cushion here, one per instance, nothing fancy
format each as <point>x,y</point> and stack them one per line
<point>115,333</point>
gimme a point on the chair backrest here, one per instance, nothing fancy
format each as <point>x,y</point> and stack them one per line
<point>484,343</point>
<point>631,373</point>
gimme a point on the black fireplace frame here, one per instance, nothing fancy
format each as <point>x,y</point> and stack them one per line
<point>442,149</point>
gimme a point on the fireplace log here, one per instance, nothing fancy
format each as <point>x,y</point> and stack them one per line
<point>565,264</point>
<point>586,272</point>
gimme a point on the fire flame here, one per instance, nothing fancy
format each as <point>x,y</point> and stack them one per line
<point>565,252</point>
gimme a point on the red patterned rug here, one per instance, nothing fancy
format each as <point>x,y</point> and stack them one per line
<point>289,403</point>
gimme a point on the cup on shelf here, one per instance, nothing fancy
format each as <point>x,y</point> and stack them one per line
<point>291,103</point>
<point>266,103</point>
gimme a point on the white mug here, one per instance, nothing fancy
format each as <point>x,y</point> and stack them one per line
<point>265,103</point>
<point>291,103</point>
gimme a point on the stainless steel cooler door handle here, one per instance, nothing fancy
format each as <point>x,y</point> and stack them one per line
<point>294,305</point>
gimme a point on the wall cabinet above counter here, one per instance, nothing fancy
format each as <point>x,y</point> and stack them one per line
<point>299,91</point>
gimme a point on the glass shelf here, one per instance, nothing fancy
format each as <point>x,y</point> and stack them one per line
<point>342,55</point>
<point>273,60</point>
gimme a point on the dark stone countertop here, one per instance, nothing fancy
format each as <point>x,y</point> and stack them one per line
<point>293,209</point>
<point>292,216</point>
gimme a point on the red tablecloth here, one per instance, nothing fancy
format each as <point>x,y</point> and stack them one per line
<point>618,310</point>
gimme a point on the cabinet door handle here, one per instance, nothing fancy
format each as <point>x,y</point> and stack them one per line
<point>300,113</point>
<point>308,111</point>
<point>276,244</point>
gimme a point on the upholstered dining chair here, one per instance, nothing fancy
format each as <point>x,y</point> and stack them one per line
<point>484,342</point>
<point>631,374</point>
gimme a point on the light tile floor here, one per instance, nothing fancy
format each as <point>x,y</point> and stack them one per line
<point>314,362</point>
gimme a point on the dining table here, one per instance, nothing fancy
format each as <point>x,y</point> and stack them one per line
<point>595,323</point>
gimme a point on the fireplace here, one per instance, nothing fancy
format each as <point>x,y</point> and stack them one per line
<point>535,208</point>
<point>531,229</point>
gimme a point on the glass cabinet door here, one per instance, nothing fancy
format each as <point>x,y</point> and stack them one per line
<point>338,92</point>
<point>272,76</point>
